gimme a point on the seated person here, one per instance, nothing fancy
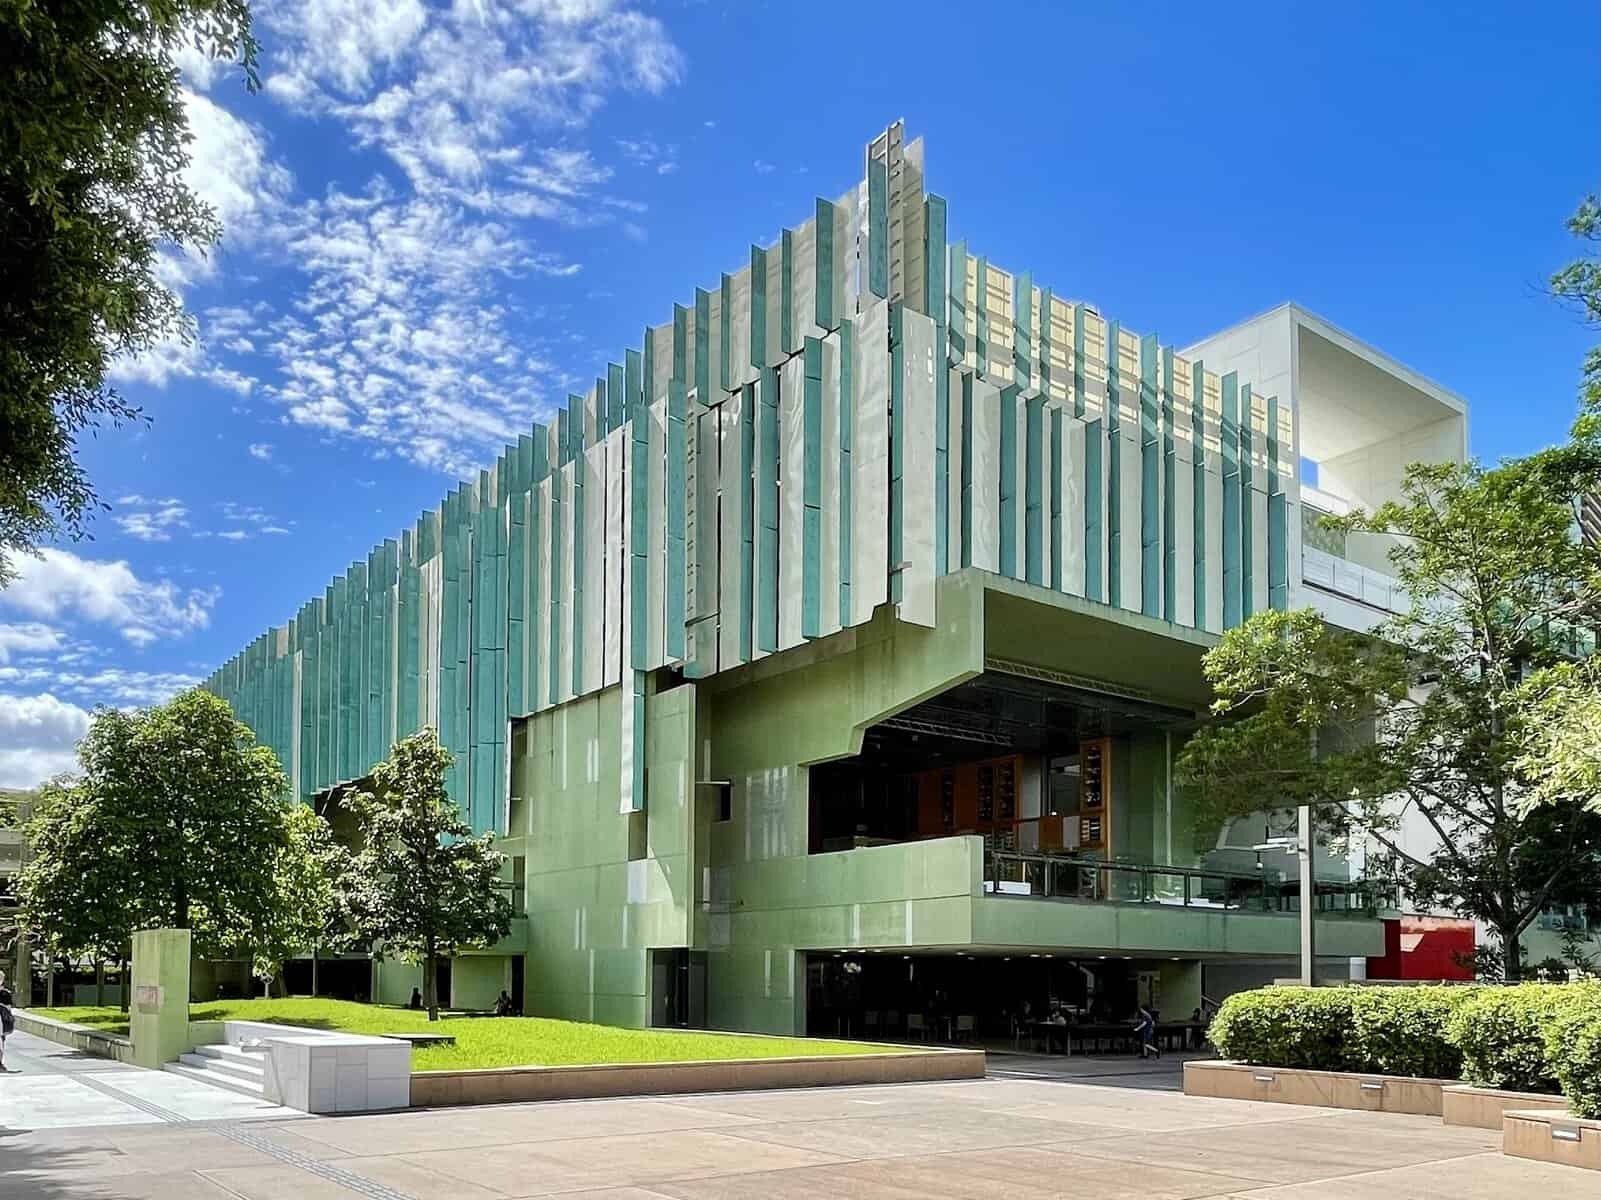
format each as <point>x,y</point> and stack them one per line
<point>503,1006</point>
<point>416,999</point>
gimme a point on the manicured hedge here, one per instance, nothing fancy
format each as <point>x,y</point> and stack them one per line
<point>1403,1031</point>
<point>1394,1031</point>
<point>1532,1037</point>
<point>1573,1048</point>
<point>1501,1033</point>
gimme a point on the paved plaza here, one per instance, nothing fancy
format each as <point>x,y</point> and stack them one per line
<point>1098,1129</point>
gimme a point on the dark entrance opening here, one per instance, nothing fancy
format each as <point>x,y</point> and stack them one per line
<point>519,967</point>
<point>678,988</point>
<point>959,996</point>
<point>1018,760</point>
<point>442,982</point>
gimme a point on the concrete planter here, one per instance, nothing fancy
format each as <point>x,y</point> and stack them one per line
<point>79,1037</point>
<point>1481,1107</point>
<point>494,1085</point>
<point>1327,1089</point>
<point>1550,1136</point>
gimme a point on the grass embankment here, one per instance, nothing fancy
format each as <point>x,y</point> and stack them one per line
<point>489,1041</point>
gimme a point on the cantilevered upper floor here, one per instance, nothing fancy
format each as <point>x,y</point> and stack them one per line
<point>1360,418</point>
<point>858,411</point>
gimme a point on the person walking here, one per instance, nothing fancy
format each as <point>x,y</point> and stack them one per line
<point>8,1023</point>
<point>1145,1022</point>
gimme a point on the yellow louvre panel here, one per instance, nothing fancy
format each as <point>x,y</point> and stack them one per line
<point>971,311</point>
<point>1061,324</point>
<point>1094,366</point>
<point>1061,368</point>
<point>1183,392</point>
<point>1258,418</point>
<point>1212,403</point>
<point>1286,433</point>
<point>1094,345</point>
<point>1128,378</point>
<point>998,293</point>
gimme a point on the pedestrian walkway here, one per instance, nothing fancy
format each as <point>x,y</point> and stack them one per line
<point>1022,1139</point>
<point>54,1087</point>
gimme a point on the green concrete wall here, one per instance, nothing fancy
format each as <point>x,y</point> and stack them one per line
<point>1153,929</point>
<point>476,980</point>
<point>1181,990</point>
<point>594,914</point>
<point>393,981</point>
<point>769,898</point>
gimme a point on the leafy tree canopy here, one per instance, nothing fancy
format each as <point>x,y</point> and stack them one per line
<point>311,878</point>
<point>178,819</point>
<point>423,885</point>
<point>72,887</point>
<point>93,145</point>
<point>1423,720</point>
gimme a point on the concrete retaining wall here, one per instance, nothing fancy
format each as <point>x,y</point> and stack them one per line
<point>1328,1089</point>
<point>437,1088</point>
<point>79,1037</point>
<point>1550,1136</point>
<point>1481,1107</point>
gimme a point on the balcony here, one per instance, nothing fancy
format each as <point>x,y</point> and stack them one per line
<point>1066,877</point>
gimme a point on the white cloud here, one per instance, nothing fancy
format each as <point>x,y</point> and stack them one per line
<point>58,585</point>
<point>37,736</point>
<point>763,167</point>
<point>406,329</point>
<point>111,685</point>
<point>261,450</point>
<point>28,637</point>
<point>151,520</point>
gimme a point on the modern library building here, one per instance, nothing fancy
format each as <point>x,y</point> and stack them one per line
<point>822,667</point>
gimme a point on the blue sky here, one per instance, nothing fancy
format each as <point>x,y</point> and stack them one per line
<point>441,219</point>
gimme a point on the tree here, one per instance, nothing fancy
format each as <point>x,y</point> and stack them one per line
<point>1561,722</point>
<point>93,146</point>
<point>186,817</point>
<point>1424,716</point>
<point>74,891</point>
<point>1562,717</point>
<point>311,913</point>
<point>425,887</point>
<point>1578,285</point>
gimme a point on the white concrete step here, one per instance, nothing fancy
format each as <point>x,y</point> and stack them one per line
<point>236,1061</point>
<point>223,1079</point>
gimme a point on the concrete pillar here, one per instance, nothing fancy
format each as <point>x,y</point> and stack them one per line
<point>158,1018</point>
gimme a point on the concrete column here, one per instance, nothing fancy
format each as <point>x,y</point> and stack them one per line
<point>158,1020</point>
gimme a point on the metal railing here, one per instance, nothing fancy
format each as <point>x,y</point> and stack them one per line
<point>1067,877</point>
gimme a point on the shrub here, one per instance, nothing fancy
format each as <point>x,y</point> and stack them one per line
<point>1402,1030</point>
<point>1285,1027</point>
<point>1573,1047</point>
<point>1500,1032</point>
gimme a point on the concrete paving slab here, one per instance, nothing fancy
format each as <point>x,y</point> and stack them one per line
<point>50,1086</point>
<point>1021,1139</point>
<point>1489,1176</point>
<point>921,1133</point>
<point>540,1169</point>
<point>1294,1151</point>
<point>282,1182</point>
<point>1025,1173</point>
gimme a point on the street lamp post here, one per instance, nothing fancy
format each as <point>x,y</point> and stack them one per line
<point>1303,854</point>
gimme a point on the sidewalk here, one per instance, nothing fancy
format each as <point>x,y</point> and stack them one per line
<point>1022,1139</point>
<point>53,1087</point>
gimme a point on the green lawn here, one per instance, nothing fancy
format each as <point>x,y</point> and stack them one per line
<point>490,1041</point>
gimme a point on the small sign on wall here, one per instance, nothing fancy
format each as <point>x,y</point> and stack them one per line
<point>147,998</point>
